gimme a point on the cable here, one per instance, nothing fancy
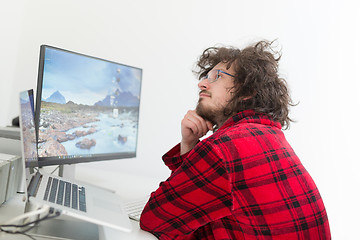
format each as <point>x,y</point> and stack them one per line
<point>55,170</point>
<point>47,217</point>
<point>29,236</point>
<point>29,225</point>
<point>42,210</point>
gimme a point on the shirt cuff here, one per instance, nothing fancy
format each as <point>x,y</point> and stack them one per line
<point>173,159</point>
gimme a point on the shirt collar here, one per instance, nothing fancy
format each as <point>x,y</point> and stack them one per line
<point>250,116</point>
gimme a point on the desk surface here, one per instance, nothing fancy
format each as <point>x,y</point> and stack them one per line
<point>139,187</point>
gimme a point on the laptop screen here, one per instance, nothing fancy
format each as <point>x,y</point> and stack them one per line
<point>29,146</point>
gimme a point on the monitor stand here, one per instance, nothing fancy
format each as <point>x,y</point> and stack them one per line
<point>67,171</point>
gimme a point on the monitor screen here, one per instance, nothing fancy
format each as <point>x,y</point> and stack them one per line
<point>87,108</point>
<point>28,139</point>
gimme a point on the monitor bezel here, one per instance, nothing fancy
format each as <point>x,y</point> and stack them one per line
<point>65,160</point>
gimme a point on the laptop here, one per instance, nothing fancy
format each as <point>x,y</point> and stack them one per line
<point>71,198</point>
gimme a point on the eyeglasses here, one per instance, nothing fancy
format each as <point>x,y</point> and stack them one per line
<point>214,75</point>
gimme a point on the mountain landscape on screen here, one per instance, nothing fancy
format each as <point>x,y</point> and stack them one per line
<point>56,97</point>
<point>124,99</point>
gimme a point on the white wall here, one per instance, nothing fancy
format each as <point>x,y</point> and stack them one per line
<point>320,42</point>
<point>11,16</point>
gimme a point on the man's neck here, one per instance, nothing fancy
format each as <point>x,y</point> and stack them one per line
<point>222,119</point>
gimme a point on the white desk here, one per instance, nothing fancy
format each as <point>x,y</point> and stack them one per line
<point>126,186</point>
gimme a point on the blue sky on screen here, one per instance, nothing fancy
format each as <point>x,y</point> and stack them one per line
<point>86,80</point>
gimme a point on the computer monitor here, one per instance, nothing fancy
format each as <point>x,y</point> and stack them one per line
<point>87,108</point>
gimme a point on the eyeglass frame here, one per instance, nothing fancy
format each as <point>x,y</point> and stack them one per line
<point>217,75</point>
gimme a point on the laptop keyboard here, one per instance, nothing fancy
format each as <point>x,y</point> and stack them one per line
<point>65,193</point>
<point>134,207</point>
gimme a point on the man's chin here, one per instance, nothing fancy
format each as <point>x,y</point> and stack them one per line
<point>205,113</point>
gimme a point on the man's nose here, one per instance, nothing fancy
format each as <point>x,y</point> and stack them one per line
<point>203,84</point>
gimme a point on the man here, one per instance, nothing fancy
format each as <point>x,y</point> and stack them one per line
<point>244,181</point>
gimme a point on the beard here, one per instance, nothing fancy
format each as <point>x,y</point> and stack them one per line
<point>214,115</point>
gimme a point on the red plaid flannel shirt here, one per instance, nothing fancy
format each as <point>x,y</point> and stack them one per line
<point>242,182</point>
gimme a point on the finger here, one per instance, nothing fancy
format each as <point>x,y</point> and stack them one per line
<point>193,123</point>
<point>201,125</point>
<point>204,126</point>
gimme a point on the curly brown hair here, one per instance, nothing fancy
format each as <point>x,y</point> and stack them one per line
<point>257,84</point>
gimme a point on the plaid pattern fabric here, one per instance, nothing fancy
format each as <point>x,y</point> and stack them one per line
<point>243,182</point>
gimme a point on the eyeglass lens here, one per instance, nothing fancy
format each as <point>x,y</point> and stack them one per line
<point>213,75</point>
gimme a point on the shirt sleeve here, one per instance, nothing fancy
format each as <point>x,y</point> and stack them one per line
<point>196,193</point>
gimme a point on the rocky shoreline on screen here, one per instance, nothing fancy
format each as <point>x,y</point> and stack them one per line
<point>54,125</point>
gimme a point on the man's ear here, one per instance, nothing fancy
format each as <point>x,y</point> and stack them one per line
<point>247,97</point>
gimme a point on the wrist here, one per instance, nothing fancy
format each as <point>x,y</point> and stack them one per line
<point>186,147</point>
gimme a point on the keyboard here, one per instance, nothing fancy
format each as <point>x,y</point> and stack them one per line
<point>134,207</point>
<point>66,194</point>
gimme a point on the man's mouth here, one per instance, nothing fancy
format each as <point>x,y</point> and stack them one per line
<point>204,93</point>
